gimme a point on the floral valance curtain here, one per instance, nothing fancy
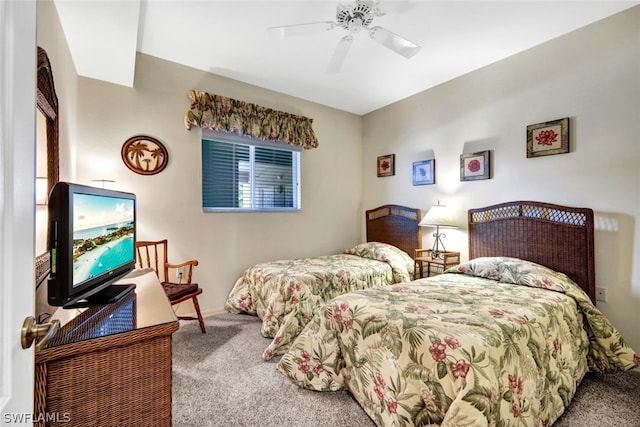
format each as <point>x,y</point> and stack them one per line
<point>226,114</point>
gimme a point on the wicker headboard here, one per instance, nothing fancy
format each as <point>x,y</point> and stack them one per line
<point>558,237</point>
<point>395,225</point>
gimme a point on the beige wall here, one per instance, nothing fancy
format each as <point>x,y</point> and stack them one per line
<point>169,203</point>
<point>591,76</point>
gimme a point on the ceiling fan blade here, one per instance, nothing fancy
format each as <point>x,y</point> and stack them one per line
<point>340,54</point>
<point>394,42</point>
<point>299,29</point>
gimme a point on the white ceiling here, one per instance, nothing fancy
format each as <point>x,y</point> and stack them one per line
<point>229,38</point>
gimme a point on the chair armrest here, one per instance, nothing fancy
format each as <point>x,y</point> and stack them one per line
<point>191,262</point>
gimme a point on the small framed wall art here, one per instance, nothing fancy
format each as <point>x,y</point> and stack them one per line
<point>474,166</point>
<point>424,172</point>
<point>387,165</point>
<point>548,138</point>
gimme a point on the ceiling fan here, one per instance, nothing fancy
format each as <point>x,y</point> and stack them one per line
<point>352,17</point>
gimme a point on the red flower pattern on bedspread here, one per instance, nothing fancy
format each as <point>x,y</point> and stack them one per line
<point>452,342</point>
<point>460,368</point>
<point>392,405</point>
<point>515,408</point>
<point>515,384</point>
<point>379,386</point>
<point>437,351</point>
<point>318,369</point>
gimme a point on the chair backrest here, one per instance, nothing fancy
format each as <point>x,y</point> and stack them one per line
<point>153,254</point>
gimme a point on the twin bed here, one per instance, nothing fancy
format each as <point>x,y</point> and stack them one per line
<point>286,294</point>
<point>503,339</point>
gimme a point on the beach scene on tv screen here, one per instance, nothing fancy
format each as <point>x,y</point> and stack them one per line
<point>102,235</point>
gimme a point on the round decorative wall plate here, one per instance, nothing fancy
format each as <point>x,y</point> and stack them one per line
<point>145,155</point>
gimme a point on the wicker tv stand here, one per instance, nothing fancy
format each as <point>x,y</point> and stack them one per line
<point>109,365</point>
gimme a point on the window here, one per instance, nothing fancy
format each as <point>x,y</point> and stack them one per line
<point>243,174</point>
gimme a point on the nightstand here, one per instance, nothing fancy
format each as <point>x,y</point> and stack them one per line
<point>434,265</point>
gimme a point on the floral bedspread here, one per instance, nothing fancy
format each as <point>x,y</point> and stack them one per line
<point>496,341</point>
<point>286,294</point>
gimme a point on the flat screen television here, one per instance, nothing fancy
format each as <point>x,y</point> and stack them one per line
<point>92,234</point>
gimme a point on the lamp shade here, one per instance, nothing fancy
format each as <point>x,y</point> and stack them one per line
<point>438,216</point>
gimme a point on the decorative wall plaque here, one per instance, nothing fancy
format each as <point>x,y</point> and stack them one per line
<point>144,154</point>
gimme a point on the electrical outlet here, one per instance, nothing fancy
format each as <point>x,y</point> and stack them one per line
<point>180,272</point>
<point>601,294</point>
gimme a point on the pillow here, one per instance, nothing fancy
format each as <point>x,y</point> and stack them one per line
<point>401,263</point>
<point>515,271</point>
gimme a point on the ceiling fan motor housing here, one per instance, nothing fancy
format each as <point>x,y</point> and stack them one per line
<point>352,17</point>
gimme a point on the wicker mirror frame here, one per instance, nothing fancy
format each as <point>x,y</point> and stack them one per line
<point>47,103</point>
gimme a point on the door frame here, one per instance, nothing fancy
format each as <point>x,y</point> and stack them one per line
<point>17,205</point>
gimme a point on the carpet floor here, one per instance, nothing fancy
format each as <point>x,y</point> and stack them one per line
<point>220,379</point>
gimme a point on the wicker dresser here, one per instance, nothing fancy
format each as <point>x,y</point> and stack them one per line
<point>109,365</point>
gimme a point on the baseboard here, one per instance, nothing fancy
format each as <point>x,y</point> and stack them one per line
<point>214,312</point>
<point>204,313</point>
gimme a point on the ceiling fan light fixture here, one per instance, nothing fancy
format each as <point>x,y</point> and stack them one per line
<point>355,25</point>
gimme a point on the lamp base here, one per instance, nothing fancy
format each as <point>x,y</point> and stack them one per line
<point>438,249</point>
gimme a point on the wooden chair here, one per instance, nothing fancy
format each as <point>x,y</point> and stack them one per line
<point>153,254</point>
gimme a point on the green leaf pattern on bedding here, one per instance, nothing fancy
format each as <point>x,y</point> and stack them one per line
<point>608,352</point>
<point>458,350</point>
<point>286,294</point>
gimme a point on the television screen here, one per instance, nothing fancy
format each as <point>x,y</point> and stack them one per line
<point>103,235</point>
<point>92,234</point>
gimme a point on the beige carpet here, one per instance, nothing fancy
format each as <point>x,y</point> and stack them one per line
<point>220,379</point>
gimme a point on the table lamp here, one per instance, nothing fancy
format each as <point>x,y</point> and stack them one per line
<point>438,216</point>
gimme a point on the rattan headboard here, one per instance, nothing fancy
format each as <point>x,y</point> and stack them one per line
<point>396,225</point>
<point>559,237</point>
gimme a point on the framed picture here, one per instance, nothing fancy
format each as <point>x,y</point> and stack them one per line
<point>548,138</point>
<point>474,166</point>
<point>424,172</point>
<point>387,165</point>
